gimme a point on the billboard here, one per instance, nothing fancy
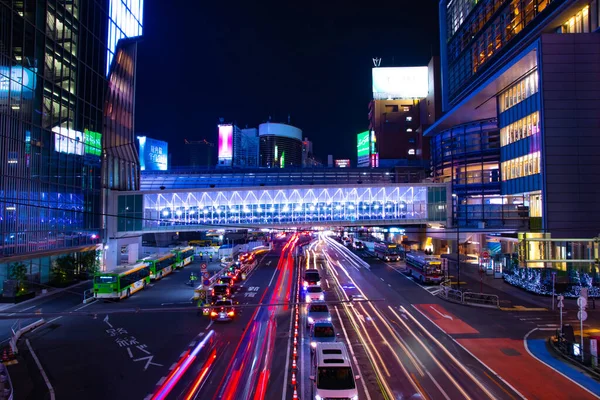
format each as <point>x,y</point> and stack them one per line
<point>67,140</point>
<point>344,163</point>
<point>92,142</point>
<point>400,83</point>
<point>225,142</point>
<point>362,149</point>
<point>18,80</point>
<point>154,154</point>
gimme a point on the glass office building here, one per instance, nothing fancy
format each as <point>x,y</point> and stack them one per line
<point>53,83</point>
<point>528,69</point>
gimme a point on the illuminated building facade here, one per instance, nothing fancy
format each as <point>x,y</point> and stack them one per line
<point>280,145</point>
<point>56,123</point>
<point>519,133</point>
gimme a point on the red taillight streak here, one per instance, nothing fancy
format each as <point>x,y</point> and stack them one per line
<point>202,375</point>
<point>240,343</point>
<point>158,394</point>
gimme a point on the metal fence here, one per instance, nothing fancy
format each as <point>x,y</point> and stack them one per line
<point>468,298</point>
<point>573,352</point>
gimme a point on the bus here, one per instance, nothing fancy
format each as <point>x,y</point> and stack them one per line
<point>388,251</point>
<point>183,256</point>
<point>160,265</point>
<point>121,282</point>
<point>426,269</point>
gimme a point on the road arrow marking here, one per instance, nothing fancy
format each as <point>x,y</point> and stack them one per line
<point>106,320</point>
<point>443,315</point>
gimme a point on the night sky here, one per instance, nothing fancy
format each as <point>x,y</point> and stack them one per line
<point>199,61</point>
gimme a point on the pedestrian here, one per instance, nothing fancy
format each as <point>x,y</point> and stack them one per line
<point>211,256</point>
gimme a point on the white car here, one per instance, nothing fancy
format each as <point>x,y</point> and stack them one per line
<point>314,293</point>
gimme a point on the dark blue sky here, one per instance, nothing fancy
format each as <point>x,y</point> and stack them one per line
<point>201,60</point>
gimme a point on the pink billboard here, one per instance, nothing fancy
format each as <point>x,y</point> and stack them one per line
<point>225,141</point>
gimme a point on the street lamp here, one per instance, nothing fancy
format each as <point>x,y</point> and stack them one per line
<point>455,198</point>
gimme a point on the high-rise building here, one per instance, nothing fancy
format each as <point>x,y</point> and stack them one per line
<point>62,120</point>
<point>519,138</point>
<point>245,148</point>
<point>198,154</point>
<point>395,113</point>
<point>280,145</point>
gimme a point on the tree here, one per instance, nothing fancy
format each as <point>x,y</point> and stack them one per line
<point>18,272</point>
<point>63,269</point>
<point>90,262</point>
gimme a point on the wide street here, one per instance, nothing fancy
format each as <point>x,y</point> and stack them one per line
<point>404,341</point>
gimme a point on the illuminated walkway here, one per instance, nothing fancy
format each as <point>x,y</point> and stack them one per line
<point>307,206</point>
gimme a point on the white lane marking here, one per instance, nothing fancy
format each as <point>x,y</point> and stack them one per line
<point>28,308</point>
<point>39,365</point>
<point>389,285</point>
<point>273,277</point>
<point>442,314</point>
<point>327,282</point>
<point>83,306</point>
<point>368,396</point>
<point>129,352</point>
<point>209,325</point>
<point>174,364</point>
<point>471,354</point>
<point>161,381</point>
<point>301,346</point>
<point>551,367</point>
<point>166,304</point>
<point>382,279</point>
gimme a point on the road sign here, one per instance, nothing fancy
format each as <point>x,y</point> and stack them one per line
<point>560,301</point>
<point>206,282</point>
<point>485,254</point>
<point>206,275</point>
<point>203,267</point>
<point>582,315</point>
<point>581,302</point>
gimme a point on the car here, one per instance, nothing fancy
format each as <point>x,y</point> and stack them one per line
<point>222,310</point>
<point>333,374</point>
<point>227,280</point>
<point>321,332</point>
<point>314,293</point>
<point>220,291</point>
<point>359,245</point>
<point>311,277</point>
<point>317,311</point>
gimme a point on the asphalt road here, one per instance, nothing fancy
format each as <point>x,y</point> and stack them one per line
<point>125,354</point>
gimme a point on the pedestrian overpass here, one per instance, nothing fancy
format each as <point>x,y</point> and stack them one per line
<point>175,210</point>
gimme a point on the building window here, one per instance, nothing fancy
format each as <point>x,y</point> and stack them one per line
<point>578,23</point>
<point>518,92</point>
<point>525,127</point>
<point>411,152</point>
<point>521,166</point>
<point>409,130</point>
<point>408,119</point>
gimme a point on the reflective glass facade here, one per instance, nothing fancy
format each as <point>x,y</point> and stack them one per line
<point>410,204</point>
<point>53,89</point>
<point>280,151</point>
<point>126,21</point>
<point>477,32</point>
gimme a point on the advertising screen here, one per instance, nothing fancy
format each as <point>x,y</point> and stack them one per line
<point>225,142</point>
<point>345,163</point>
<point>154,154</point>
<point>362,149</point>
<point>18,79</point>
<point>68,141</point>
<point>400,83</point>
<point>92,142</point>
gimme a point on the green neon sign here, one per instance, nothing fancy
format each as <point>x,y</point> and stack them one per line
<point>363,144</point>
<point>92,142</point>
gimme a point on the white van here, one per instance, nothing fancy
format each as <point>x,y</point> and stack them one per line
<point>333,376</point>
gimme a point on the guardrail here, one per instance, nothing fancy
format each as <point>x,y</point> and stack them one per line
<point>468,298</point>
<point>6,387</point>
<point>20,331</point>
<point>88,296</point>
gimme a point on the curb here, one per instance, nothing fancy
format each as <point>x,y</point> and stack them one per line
<point>558,354</point>
<point>43,295</point>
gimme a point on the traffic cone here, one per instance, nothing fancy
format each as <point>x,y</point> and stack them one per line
<point>294,364</point>
<point>293,378</point>
<point>295,396</point>
<point>4,356</point>
<point>11,355</point>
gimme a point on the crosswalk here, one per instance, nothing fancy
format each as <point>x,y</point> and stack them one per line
<point>550,321</point>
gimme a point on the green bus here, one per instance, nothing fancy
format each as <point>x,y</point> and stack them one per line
<point>121,282</point>
<point>183,256</point>
<point>160,265</point>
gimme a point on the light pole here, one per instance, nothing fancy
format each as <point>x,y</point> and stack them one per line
<point>455,197</point>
